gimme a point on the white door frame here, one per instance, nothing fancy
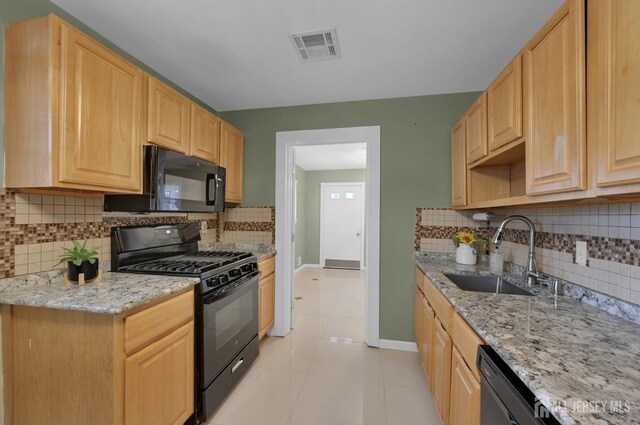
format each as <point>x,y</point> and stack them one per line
<point>285,142</point>
<point>362,220</point>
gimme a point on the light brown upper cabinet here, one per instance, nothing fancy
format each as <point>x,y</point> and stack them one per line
<point>205,135</point>
<point>614,93</point>
<point>231,157</point>
<point>168,112</point>
<point>73,110</point>
<point>476,129</point>
<point>458,165</point>
<point>504,106</point>
<point>554,84</point>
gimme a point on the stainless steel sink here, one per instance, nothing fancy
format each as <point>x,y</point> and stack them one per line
<point>491,284</point>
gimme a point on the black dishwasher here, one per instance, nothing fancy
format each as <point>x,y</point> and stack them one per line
<point>504,399</point>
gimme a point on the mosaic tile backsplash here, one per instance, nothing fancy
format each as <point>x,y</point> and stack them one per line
<point>248,225</point>
<point>612,234</point>
<point>34,228</point>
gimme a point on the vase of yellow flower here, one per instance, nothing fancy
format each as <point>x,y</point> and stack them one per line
<point>465,243</point>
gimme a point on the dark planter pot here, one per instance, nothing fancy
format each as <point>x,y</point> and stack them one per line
<point>90,271</point>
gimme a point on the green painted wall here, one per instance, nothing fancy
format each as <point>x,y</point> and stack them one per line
<point>18,10</point>
<point>301,216</point>
<point>314,178</point>
<point>415,171</point>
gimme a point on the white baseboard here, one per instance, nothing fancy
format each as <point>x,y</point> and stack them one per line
<point>390,344</point>
<point>308,266</point>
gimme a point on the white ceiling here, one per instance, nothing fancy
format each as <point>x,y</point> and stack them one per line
<point>237,54</point>
<point>344,156</point>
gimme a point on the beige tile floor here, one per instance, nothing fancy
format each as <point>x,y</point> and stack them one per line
<point>322,372</point>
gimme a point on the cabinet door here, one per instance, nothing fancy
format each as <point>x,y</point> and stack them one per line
<point>504,106</point>
<point>231,157</point>
<point>554,74</point>
<point>101,115</point>
<point>167,116</point>
<point>465,393</point>
<point>441,372</point>
<point>458,165</point>
<point>476,130</point>
<point>418,320</point>
<point>428,321</point>
<point>266,303</point>
<point>159,381</point>
<point>614,90</point>
<point>205,135</point>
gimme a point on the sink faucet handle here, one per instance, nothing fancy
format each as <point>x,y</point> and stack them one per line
<point>553,284</point>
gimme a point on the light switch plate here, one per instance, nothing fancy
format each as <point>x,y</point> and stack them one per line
<point>203,227</point>
<point>581,253</point>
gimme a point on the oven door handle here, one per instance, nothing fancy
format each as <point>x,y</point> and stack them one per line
<point>218,295</point>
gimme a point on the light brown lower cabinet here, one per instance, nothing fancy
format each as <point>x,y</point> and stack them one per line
<point>448,355</point>
<point>166,365</point>
<point>266,295</point>
<point>428,328</point>
<point>74,368</point>
<point>441,374</point>
<point>465,393</point>
<point>418,320</point>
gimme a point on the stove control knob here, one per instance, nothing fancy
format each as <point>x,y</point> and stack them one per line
<point>234,273</point>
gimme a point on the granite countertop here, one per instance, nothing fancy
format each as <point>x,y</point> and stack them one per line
<point>567,352</point>
<point>260,250</point>
<point>117,293</point>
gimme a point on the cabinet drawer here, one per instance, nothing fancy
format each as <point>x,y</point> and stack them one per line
<point>442,307</point>
<point>466,341</point>
<point>143,328</point>
<point>267,266</point>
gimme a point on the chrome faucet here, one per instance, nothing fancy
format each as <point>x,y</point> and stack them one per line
<point>532,266</point>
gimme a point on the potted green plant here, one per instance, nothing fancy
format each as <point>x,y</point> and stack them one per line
<point>80,259</point>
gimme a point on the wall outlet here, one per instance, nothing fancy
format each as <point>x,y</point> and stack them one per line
<point>203,227</point>
<point>298,261</point>
<point>581,253</point>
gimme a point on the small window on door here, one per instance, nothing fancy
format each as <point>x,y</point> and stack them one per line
<point>349,195</point>
<point>335,195</point>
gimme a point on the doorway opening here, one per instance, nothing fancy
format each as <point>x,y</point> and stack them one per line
<point>327,231</point>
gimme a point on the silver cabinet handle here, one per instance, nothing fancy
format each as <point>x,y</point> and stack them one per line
<point>237,365</point>
<point>358,234</point>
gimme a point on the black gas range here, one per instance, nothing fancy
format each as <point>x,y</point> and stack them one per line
<point>226,300</point>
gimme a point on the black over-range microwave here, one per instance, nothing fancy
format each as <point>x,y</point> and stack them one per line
<point>174,182</point>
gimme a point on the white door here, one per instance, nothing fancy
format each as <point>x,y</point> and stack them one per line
<point>342,225</point>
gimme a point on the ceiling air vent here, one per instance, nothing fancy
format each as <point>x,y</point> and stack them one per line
<point>316,45</point>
